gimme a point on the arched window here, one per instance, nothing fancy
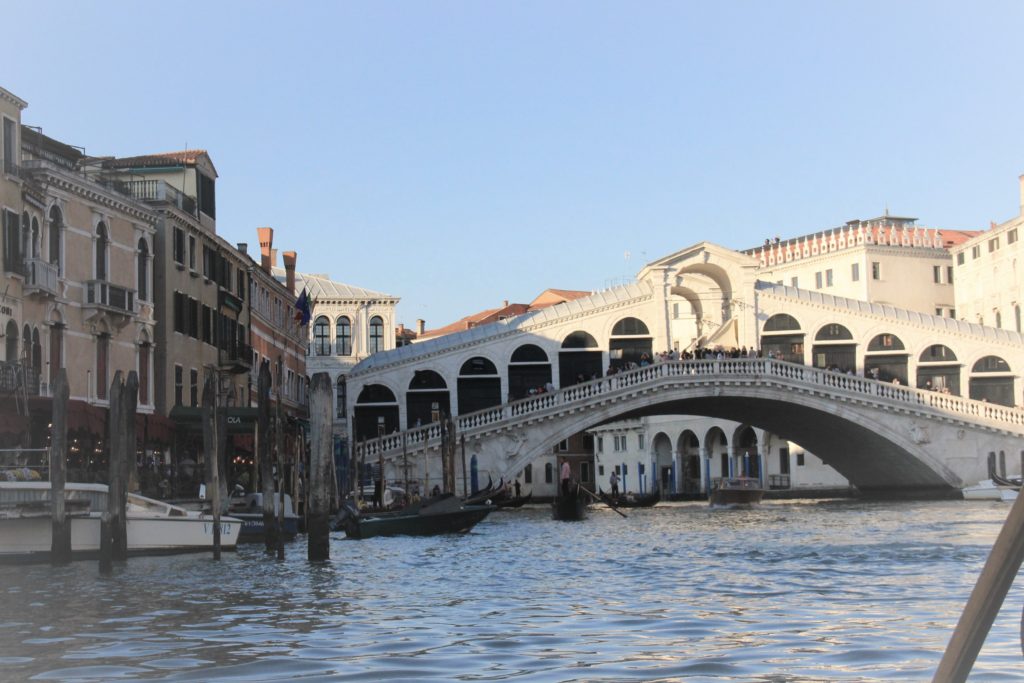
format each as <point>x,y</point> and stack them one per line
<point>478,366</point>
<point>991,364</point>
<point>427,379</point>
<point>579,340</point>
<point>343,336</point>
<point>937,353</point>
<point>11,336</point>
<point>629,327</point>
<point>102,242</point>
<point>479,385</point>
<point>833,332</point>
<point>321,336</point>
<point>780,322</point>
<point>143,270</point>
<point>26,236</point>
<point>885,342</point>
<point>529,353</point>
<point>56,226</point>
<point>376,334</point>
<point>145,349</point>
<point>35,238</point>
<point>342,398</point>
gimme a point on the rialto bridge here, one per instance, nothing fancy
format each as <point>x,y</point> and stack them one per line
<point>894,400</point>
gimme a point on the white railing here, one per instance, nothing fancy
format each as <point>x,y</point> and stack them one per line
<point>580,395</point>
<point>41,275</point>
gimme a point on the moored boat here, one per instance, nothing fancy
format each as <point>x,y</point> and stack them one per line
<point>985,489</point>
<point>443,515</point>
<point>512,502</point>
<point>737,492</point>
<point>153,526</point>
<point>249,509</point>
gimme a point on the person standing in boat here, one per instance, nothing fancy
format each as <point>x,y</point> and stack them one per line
<point>614,481</point>
<point>517,488</point>
<point>566,476</point>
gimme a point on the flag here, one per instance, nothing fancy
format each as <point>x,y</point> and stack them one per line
<point>302,309</point>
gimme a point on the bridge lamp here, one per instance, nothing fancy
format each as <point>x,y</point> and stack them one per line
<point>380,426</point>
<point>435,411</point>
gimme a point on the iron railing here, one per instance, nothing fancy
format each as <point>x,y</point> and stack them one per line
<point>112,297</point>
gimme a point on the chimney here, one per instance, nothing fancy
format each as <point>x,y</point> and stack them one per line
<point>289,271</point>
<point>401,329</point>
<point>266,237</point>
<point>273,258</point>
<point>505,304</point>
<point>243,248</point>
<point>420,325</point>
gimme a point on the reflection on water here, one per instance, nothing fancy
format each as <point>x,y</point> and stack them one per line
<point>786,592</point>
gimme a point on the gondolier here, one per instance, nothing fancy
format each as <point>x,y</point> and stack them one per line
<point>566,476</point>
<point>614,481</point>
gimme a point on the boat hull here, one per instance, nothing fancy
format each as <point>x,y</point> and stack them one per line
<point>572,508</point>
<point>417,523</point>
<point>737,492</point>
<point>152,527</point>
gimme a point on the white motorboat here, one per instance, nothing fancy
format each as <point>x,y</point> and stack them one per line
<point>985,489</point>
<point>1008,495</point>
<point>153,526</point>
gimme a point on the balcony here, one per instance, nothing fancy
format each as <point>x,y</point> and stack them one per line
<point>156,191</point>
<point>236,359</point>
<point>40,277</point>
<point>101,297</point>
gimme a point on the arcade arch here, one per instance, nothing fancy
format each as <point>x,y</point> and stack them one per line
<point>688,446</point>
<point>579,360</point>
<point>884,361</point>
<point>834,348</point>
<point>782,338</point>
<point>479,385</point>
<point>375,401</point>
<point>426,389</point>
<point>528,368</point>
<point>630,341</point>
<point>938,368</point>
<point>992,381</point>
<point>661,447</point>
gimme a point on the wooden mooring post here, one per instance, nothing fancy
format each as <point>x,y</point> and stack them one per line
<point>113,525</point>
<point>266,465</point>
<point>279,443</point>
<point>211,444</point>
<point>60,541</point>
<point>321,455</point>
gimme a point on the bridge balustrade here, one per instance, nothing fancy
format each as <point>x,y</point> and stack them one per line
<point>425,437</point>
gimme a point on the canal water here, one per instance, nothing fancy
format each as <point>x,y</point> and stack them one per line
<point>790,591</point>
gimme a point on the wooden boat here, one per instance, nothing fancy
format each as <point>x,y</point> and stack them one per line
<point>488,493</point>
<point>443,515</point>
<point>249,509</point>
<point>737,492</point>
<point>153,526</point>
<point>572,507</point>
<point>631,500</point>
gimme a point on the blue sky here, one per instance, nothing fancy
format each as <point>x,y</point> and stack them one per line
<point>456,154</point>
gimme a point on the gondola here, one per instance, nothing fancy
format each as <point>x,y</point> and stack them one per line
<point>442,515</point>
<point>571,507</point>
<point>488,493</point>
<point>631,500</point>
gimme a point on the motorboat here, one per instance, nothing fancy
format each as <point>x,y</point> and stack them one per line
<point>631,500</point>
<point>153,526</point>
<point>248,507</point>
<point>988,489</point>
<point>737,492</point>
<point>1008,495</point>
<point>440,515</point>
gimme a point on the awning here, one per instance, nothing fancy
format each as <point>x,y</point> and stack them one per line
<point>240,420</point>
